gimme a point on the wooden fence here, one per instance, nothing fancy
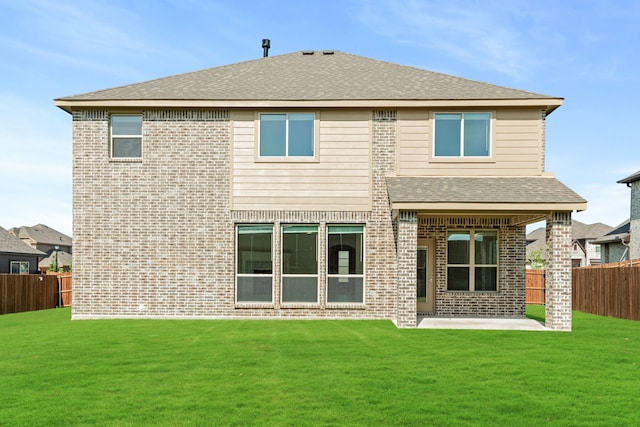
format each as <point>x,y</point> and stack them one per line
<point>535,285</point>
<point>65,289</point>
<point>608,291</point>
<point>27,292</point>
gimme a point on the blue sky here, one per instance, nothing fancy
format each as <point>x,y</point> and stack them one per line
<point>584,51</point>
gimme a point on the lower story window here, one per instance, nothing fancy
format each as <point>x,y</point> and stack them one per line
<point>472,260</point>
<point>345,264</point>
<point>300,264</point>
<point>254,270</point>
<point>19,267</point>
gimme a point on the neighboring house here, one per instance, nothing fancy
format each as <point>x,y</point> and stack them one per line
<point>583,250</point>
<point>615,244</point>
<point>623,243</point>
<point>16,257</point>
<point>314,185</point>
<point>48,240</point>
<point>633,182</point>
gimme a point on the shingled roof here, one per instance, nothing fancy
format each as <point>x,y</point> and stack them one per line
<point>506,191</point>
<point>11,244</point>
<point>42,234</point>
<point>308,76</point>
<point>630,179</point>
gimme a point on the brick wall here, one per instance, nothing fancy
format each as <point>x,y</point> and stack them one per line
<point>407,225</point>
<point>152,238</point>
<point>156,237</point>
<point>509,300</point>
<point>558,284</point>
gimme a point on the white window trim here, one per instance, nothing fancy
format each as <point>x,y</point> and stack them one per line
<point>12,263</point>
<point>462,158</point>
<point>364,268</point>
<point>253,303</point>
<point>283,275</point>
<point>111,136</point>
<point>288,159</point>
<point>472,264</point>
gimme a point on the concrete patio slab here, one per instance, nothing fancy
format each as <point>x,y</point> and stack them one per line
<point>481,323</point>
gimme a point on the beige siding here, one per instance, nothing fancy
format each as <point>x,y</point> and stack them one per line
<point>517,146</point>
<point>339,180</point>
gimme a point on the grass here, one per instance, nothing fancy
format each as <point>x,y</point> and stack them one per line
<point>293,373</point>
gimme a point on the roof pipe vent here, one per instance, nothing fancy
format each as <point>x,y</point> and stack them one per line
<point>266,44</point>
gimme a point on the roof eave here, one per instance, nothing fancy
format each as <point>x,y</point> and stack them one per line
<point>69,105</point>
<point>514,208</point>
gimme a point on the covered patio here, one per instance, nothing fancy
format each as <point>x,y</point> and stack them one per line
<point>438,212</point>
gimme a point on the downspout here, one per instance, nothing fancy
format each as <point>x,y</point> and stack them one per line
<point>626,251</point>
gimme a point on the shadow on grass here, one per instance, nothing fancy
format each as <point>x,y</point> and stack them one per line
<point>536,312</point>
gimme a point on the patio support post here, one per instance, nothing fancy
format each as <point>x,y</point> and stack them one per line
<point>407,253</point>
<point>558,294</point>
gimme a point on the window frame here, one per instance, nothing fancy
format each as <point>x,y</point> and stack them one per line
<point>472,265</point>
<point>19,263</point>
<point>461,157</point>
<point>236,261</point>
<point>347,276</point>
<point>130,136</point>
<point>315,158</point>
<point>284,275</point>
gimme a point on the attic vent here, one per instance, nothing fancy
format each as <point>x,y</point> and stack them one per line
<point>327,52</point>
<point>307,52</point>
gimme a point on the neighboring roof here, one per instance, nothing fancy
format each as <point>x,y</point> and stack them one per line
<point>11,244</point>
<point>64,259</point>
<point>305,77</point>
<point>632,178</point>
<point>618,234</point>
<point>579,230</point>
<point>501,193</point>
<point>42,234</point>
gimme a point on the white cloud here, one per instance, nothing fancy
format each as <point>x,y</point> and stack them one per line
<point>477,34</point>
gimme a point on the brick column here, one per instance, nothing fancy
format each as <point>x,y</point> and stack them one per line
<point>407,250</point>
<point>558,282</point>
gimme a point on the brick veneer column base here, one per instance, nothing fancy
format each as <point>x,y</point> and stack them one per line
<point>406,315</point>
<point>558,295</point>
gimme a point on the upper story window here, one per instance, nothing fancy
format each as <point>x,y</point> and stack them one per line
<point>287,135</point>
<point>462,135</point>
<point>126,136</point>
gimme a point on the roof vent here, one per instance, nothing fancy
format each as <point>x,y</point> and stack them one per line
<point>307,52</point>
<point>327,52</point>
<point>266,44</point>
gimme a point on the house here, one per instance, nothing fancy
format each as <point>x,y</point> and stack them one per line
<point>16,257</point>
<point>614,246</point>
<point>56,245</point>
<point>623,243</point>
<point>314,184</point>
<point>633,182</point>
<point>583,250</point>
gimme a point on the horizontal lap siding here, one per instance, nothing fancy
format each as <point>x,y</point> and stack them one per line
<point>517,146</point>
<point>340,180</point>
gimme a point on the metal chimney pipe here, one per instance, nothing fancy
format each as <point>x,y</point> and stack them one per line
<point>266,44</point>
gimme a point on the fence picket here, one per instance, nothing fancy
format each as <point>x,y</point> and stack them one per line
<point>27,292</point>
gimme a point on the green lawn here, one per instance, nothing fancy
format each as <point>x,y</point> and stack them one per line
<point>154,372</point>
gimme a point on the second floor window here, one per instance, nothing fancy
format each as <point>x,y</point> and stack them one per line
<point>287,135</point>
<point>462,135</point>
<point>126,136</point>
